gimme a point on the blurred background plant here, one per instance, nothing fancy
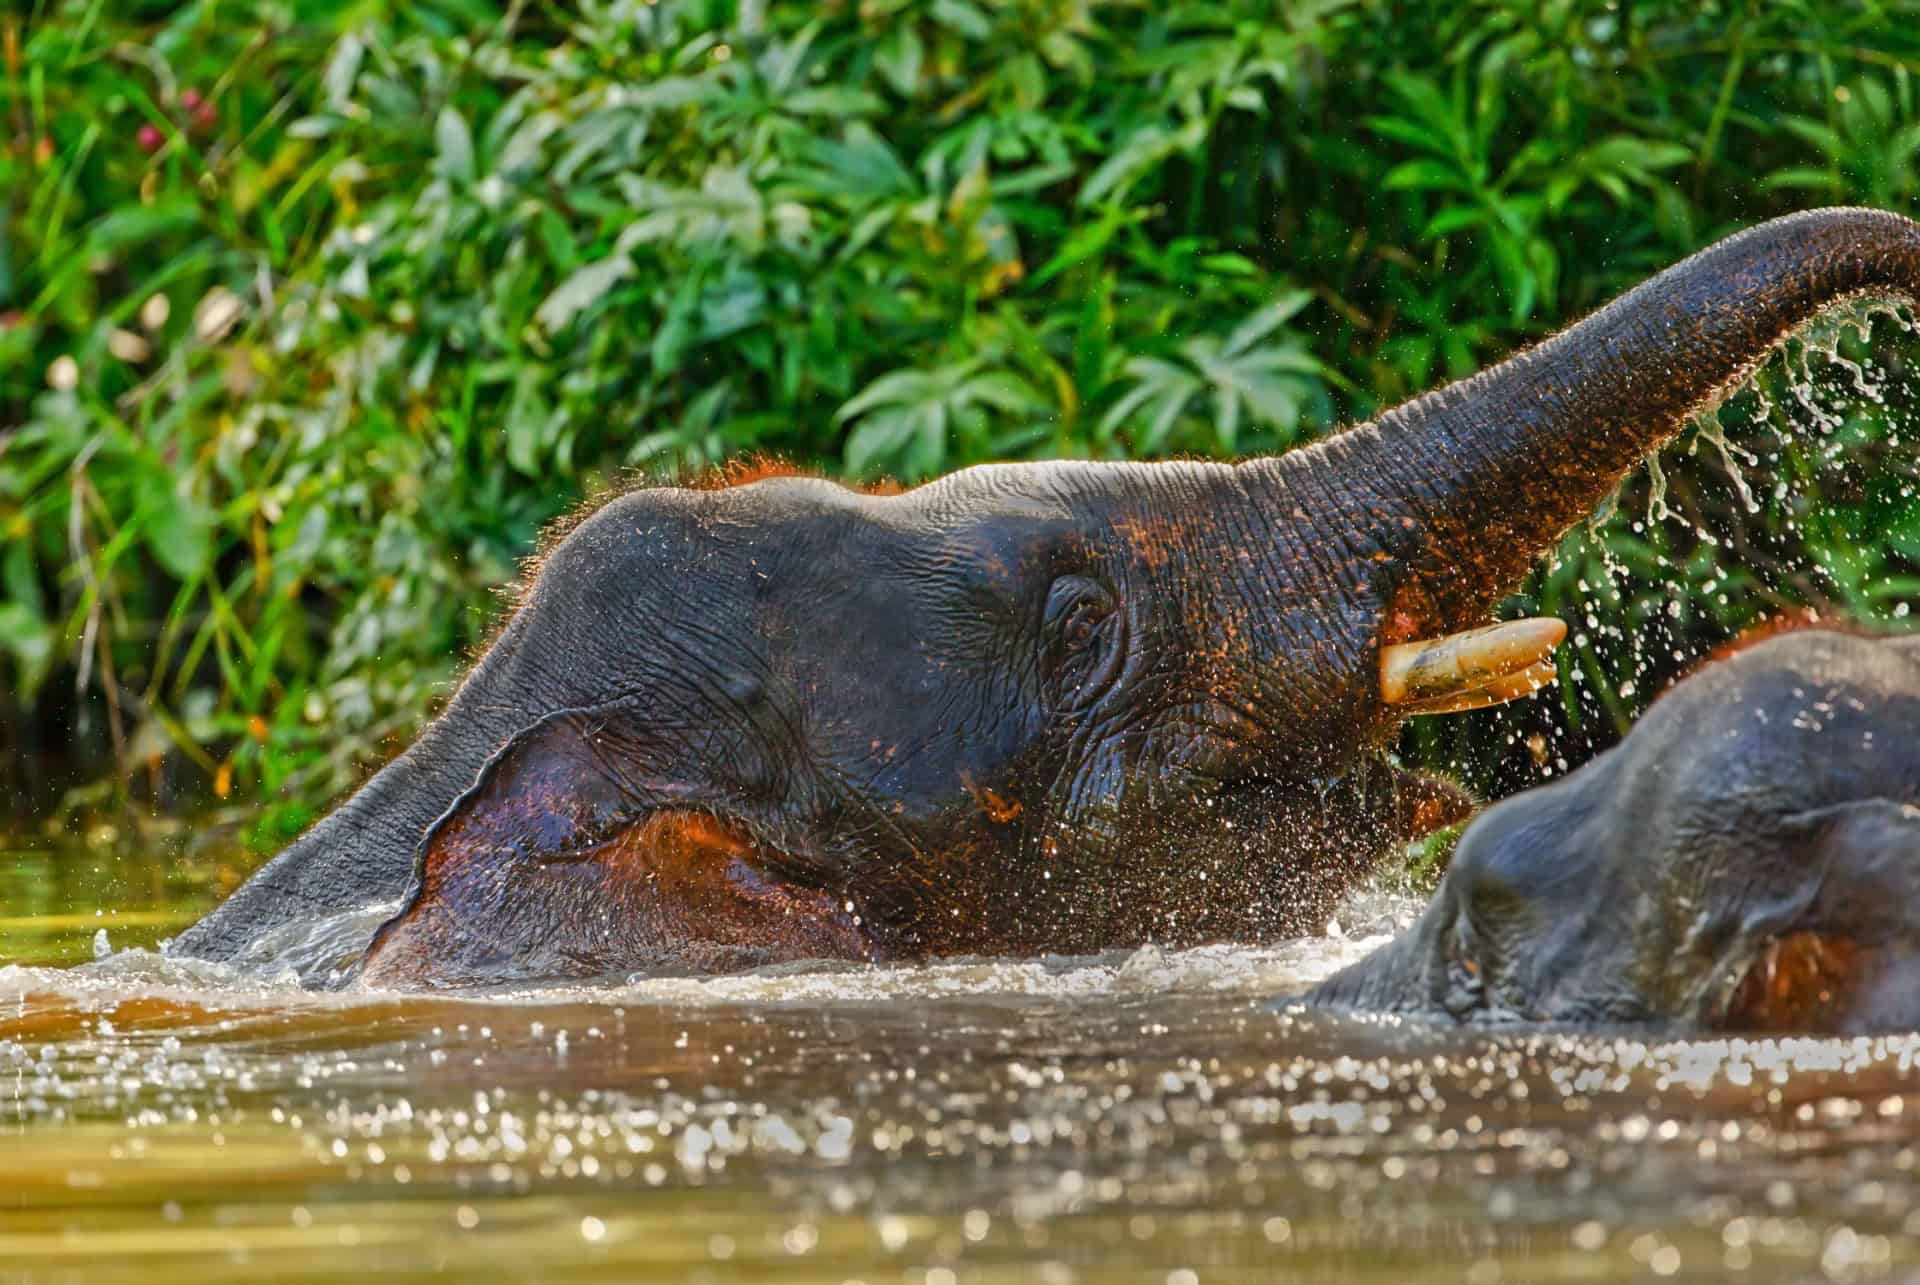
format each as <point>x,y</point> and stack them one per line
<point>312,313</point>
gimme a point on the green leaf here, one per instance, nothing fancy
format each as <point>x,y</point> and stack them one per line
<point>1822,136</point>
<point>965,18</point>
<point>1088,241</point>
<point>581,290</point>
<point>136,224</point>
<point>675,334</point>
<point>1800,177</point>
<point>455,143</point>
<point>899,56</point>
<point>1401,130</point>
<point>861,169</point>
<point>177,530</point>
<point>1004,391</point>
<point>1267,320</point>
<point>1451,219</point>
<point>531,422</point>
<point>833,100</point>
<point>1904,536</point>
<point>1230,265</point>
<point>342,69</point>
<point>1625,152</point>
<point>877,439</point>
<point>29,640</point>
<point>1425,176</point>
<point>898,386</point>
<point>1143,150</point>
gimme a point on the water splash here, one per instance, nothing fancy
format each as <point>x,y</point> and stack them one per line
<point>1784,495</point>
<point>1708,428</point>
<point>1657,510</point>
<point>1372,915</point>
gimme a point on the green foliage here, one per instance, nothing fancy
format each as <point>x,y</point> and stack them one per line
<point>434,269</point>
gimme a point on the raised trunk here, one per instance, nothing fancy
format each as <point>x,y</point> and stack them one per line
<point>1462,489</point>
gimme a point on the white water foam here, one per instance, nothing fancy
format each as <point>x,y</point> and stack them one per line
<point>1263,970</point>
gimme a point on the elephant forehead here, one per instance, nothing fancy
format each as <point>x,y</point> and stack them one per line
<point>992,527</point>
<point>1102,498</point>
<point>1009,494</point>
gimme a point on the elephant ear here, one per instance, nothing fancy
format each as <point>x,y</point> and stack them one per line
<point>577,853</point>
<point>1833,956</point>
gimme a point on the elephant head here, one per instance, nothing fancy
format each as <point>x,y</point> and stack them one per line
<point>1747,860</point>
<point>1055,706</point>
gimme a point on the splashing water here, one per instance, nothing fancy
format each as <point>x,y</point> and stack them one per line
<point>1794,497</point>
<point>1707,428</point>
<point>1143,1116</point>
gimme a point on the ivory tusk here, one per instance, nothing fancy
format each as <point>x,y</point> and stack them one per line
<point>1497,662</point>
<point>1498,692</point>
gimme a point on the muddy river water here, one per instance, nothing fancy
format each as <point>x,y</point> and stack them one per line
<point>1140,1117</point>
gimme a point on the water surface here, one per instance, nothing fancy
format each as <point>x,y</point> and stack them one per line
<point>1138,1117</point>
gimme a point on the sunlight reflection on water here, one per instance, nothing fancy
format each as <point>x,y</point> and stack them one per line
<point>1135,1117</point>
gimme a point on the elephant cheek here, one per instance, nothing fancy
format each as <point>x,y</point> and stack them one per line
<point>677,891</point>
<point>1810,983</point>
<point>1844,958</point>
<point>1803,981</point>
<point>551,867</point>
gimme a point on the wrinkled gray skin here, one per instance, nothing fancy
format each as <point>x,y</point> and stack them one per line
<point>877,700</point>
<point>1747,859</point>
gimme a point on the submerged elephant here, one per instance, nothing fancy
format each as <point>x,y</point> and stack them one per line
<point>1054,706</point>
<point>1748,859</point>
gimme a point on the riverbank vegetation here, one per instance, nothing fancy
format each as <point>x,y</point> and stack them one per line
<point>311,314</point>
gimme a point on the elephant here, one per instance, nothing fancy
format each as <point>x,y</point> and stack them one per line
<point>1747,860</point>
<point>1056,706</point>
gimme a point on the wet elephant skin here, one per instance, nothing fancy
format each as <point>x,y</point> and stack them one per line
<point>1747,860</point>
<point>1027,707</point>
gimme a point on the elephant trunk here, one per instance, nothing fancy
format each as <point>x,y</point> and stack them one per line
<point>1455,494</point>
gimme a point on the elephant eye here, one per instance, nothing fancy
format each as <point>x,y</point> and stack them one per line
<point>1081,625</point>
<point>1076,608</point>
<point>1082,621</point>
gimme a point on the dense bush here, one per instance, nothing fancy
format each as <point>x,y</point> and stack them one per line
<point>312,313</point>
